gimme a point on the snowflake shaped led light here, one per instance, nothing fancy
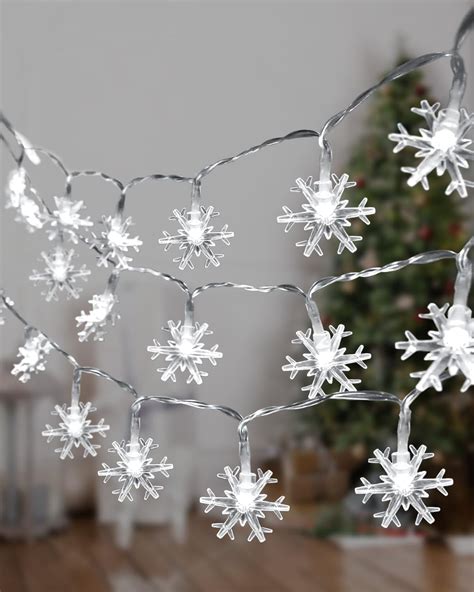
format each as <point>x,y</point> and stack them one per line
<point>403,486</point>
<point>185,351</point>
<point>114,241</point>
<point>97,318</point>
<point>33,357</point>
<point>451,346</point>
<point>135,469</point>
<point>60,274</point>
<point>244,503</point>
<point>325,360</point>
<point>66,219</point>
<point>326,214</point>
<point>443,147</point>
<point>196,237</point>
<point>75,429</point>
<point>16,187</point>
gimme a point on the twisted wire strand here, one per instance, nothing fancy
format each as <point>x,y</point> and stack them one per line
<point>193,403</point>
<point>380,396</point>
<point>466,25</point>
<point>253,150</point>
<point>248,288</point>
<point>76,174</point>
<point>420,259</point>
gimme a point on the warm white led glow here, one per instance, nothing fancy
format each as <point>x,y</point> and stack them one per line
<point>444,139</point>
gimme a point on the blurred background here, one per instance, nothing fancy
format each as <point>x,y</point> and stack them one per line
<point>134,88</point>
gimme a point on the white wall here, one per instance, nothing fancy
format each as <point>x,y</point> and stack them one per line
<point>134,88</point>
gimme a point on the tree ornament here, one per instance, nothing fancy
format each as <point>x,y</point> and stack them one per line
<point>196,236</point>
<point>75,429</point>
<point>443,147</point>
<point>33,354</point>
<point>66,219</point>
<point>403,486</point>
<point>326,214</point>
<point>244,503</point>
<point>135,468</point>
<point>59,274</point>
<point>97,318</point>
<point>325,360</point>
<point>185,351</point>
<point>451,346</point>
<point>114,241</point>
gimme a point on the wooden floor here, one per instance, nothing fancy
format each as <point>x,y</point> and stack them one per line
<point>84,559</point>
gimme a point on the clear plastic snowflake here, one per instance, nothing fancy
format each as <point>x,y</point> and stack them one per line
<point>325,360</point>
<point>451,346</point>
<point>114,241</point>
<point>196,237</point>
<point>326,214</point>
<point>59,274</point>
<point>16,187</point>
<point>30,213</point>
<point>135,469</point>
<point>97,318</point>
<point>185,351</point>
<point>403,486</point>
<point>244,503</point>
<point>443,147</point>
<point>66,219</point>
<point>75,429</point>
<point>33,357</point>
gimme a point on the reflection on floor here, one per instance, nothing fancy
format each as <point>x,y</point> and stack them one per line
<point>84,559</point>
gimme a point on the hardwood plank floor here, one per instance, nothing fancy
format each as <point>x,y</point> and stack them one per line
<point>83,558</point>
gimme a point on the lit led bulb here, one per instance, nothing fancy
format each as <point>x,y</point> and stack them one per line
<point>325,360</point>
<point>444,146</point>
<point>115,242</point>
<point>244,503</point>
<point>185,351</point>
<point>33,357</point>
<point>60,274</point>
<point>97,318</point>
<point>196,237</point>
<point>75,429</point>
<point>135,469</point>
<point>66,219</point>
<point>450,347</point>
<point>326,214</point>
<point>16,187</point>
<point>403,486</point>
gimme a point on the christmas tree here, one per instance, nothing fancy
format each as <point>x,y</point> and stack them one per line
<point>379,310</point>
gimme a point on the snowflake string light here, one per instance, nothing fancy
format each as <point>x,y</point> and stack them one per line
<point>97,318</point>
<point>185,351</point>
<point>75,429</point>
<point>403,486</point>
<point>114,242</point>
<point>60,274</point>
<point>16,187</point>
<point>326,214</point>
<point>451,347</point>
<point>29,213</point>
<point>244,503</point>
<point>325,360</point>
<point>66,219</point>
<point>135,469</point>
<point>443,147</point>
<point>33,354</point>
<point>196,237</point>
